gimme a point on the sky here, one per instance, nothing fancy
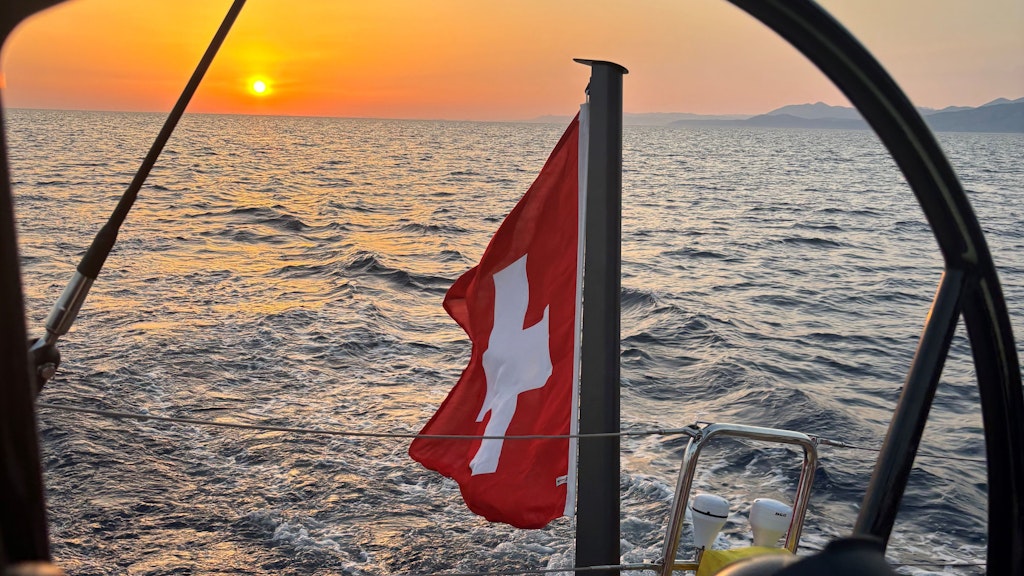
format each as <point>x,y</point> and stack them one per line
<point>490,60</point>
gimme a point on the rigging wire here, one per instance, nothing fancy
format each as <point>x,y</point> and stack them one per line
<point>687,431</point>
<point>651,567</point>
<point>841,444</point>
<point>353,433</point>
<point>514,572</point>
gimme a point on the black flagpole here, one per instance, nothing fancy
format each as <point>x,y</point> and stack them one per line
<point>597,500</point>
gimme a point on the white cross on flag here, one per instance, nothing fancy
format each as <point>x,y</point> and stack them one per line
<point>520,307</point>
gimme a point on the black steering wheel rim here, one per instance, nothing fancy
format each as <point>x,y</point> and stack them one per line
<point>969,286</point>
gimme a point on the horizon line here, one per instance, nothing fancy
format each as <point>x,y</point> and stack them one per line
<point>535,119</point>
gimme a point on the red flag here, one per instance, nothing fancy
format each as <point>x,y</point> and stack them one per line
<point>519,307</point>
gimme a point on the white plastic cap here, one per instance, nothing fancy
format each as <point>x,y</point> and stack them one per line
<point>769,520</point>
<point>709,514</point>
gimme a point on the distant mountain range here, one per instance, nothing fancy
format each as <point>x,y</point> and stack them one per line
<point>647,119</point>
<point>999,115</point>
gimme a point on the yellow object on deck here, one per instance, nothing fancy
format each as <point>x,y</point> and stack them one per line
<point>712,561</point>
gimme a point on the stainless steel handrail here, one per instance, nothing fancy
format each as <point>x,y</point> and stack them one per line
<point>698,439</point>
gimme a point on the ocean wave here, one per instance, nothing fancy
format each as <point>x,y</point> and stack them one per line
<point>695,253</point>
<point>819,242</point>
<point>431,229</point>
<point>371,264</point>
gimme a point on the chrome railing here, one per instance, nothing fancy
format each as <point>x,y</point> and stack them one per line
<point>699,438</point>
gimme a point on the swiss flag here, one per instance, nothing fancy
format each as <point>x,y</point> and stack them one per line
<point>520,308</point>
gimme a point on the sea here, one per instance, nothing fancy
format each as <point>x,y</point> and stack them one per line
<point>290,271</point>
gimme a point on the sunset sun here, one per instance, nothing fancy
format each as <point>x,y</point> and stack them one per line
<point>259,87</point>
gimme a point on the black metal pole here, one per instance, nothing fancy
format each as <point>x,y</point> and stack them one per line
<point>892,469</point>
<point>66,309</point>
<point>23,530</point>
<point>23,534</point>
<point>597,504</point>
<point>941,196</point>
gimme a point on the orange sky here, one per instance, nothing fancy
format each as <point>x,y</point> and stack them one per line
<point>484,60</point>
